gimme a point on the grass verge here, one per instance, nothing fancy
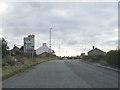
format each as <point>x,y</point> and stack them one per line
<point>8,71</point>
<point>103,62</point>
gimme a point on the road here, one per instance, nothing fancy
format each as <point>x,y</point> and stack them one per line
<point>64,74</point>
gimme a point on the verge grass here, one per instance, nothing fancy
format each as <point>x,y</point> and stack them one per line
<point>8,71</point>
<point>103,62</point>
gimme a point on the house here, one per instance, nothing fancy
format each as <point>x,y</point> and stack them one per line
<point>14,51</point>
<point>96,51</point>
<point>82,54</point>
<point>44,54</point>
<point>44,50</point>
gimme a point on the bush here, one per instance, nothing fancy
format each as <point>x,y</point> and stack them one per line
<point>8,60</point>
<point>4,62</point>
<point>112,57</point>
<point>97,58</point>
<point>5,48</point>
<point>94,58</point>
<point>86,57</point>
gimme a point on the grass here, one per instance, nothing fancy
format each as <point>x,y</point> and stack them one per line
<point>8,70</point>
<point>103,62</point>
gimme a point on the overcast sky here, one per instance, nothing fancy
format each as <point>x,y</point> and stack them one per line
<point>76,27</point>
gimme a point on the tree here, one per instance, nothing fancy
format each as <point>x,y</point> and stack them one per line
<point>22,48</point>
<point>5,48</point>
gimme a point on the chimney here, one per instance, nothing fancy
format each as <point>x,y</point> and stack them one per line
<point>93,47</point>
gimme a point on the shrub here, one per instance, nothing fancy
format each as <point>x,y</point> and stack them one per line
<point>8,60</point>
<point>5,48</point>
<point>94,58</point>
<point>86,57</point>
<point>4,62</point>
<point>97,58</point>
<point>112,57</point>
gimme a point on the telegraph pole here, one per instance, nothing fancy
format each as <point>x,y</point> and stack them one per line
<point>50,41</point>
<point>66,53</point>
<point>84,50</point>
<point>59,49</point>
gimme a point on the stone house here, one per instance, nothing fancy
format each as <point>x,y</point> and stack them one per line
<point>96,51</point>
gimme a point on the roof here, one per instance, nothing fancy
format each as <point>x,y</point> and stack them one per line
<point>96,49</point>
<point>44,48</point>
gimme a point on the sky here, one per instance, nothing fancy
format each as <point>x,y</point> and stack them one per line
<point>76,26</point>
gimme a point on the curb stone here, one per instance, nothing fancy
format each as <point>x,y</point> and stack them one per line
<point>107,67</point>
<point>98,65</point>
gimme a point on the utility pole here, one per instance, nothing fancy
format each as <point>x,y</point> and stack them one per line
<point>84,50</point>
<point>50,41</point>
<point>59,49</point>
<point>66,53</point>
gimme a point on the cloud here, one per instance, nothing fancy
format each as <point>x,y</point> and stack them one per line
<point>74,24</point>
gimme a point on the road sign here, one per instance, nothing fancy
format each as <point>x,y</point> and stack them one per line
<point>29,44</point>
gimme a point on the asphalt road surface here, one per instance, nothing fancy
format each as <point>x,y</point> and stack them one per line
<point>64,74</point>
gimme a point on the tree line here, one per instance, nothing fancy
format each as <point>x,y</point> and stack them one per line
<point>111,57</point>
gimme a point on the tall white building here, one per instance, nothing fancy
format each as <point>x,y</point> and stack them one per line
<point>29,44</point>
<point>44,49</point>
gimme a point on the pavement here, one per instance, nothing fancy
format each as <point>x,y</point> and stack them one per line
<point>64,74</point>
